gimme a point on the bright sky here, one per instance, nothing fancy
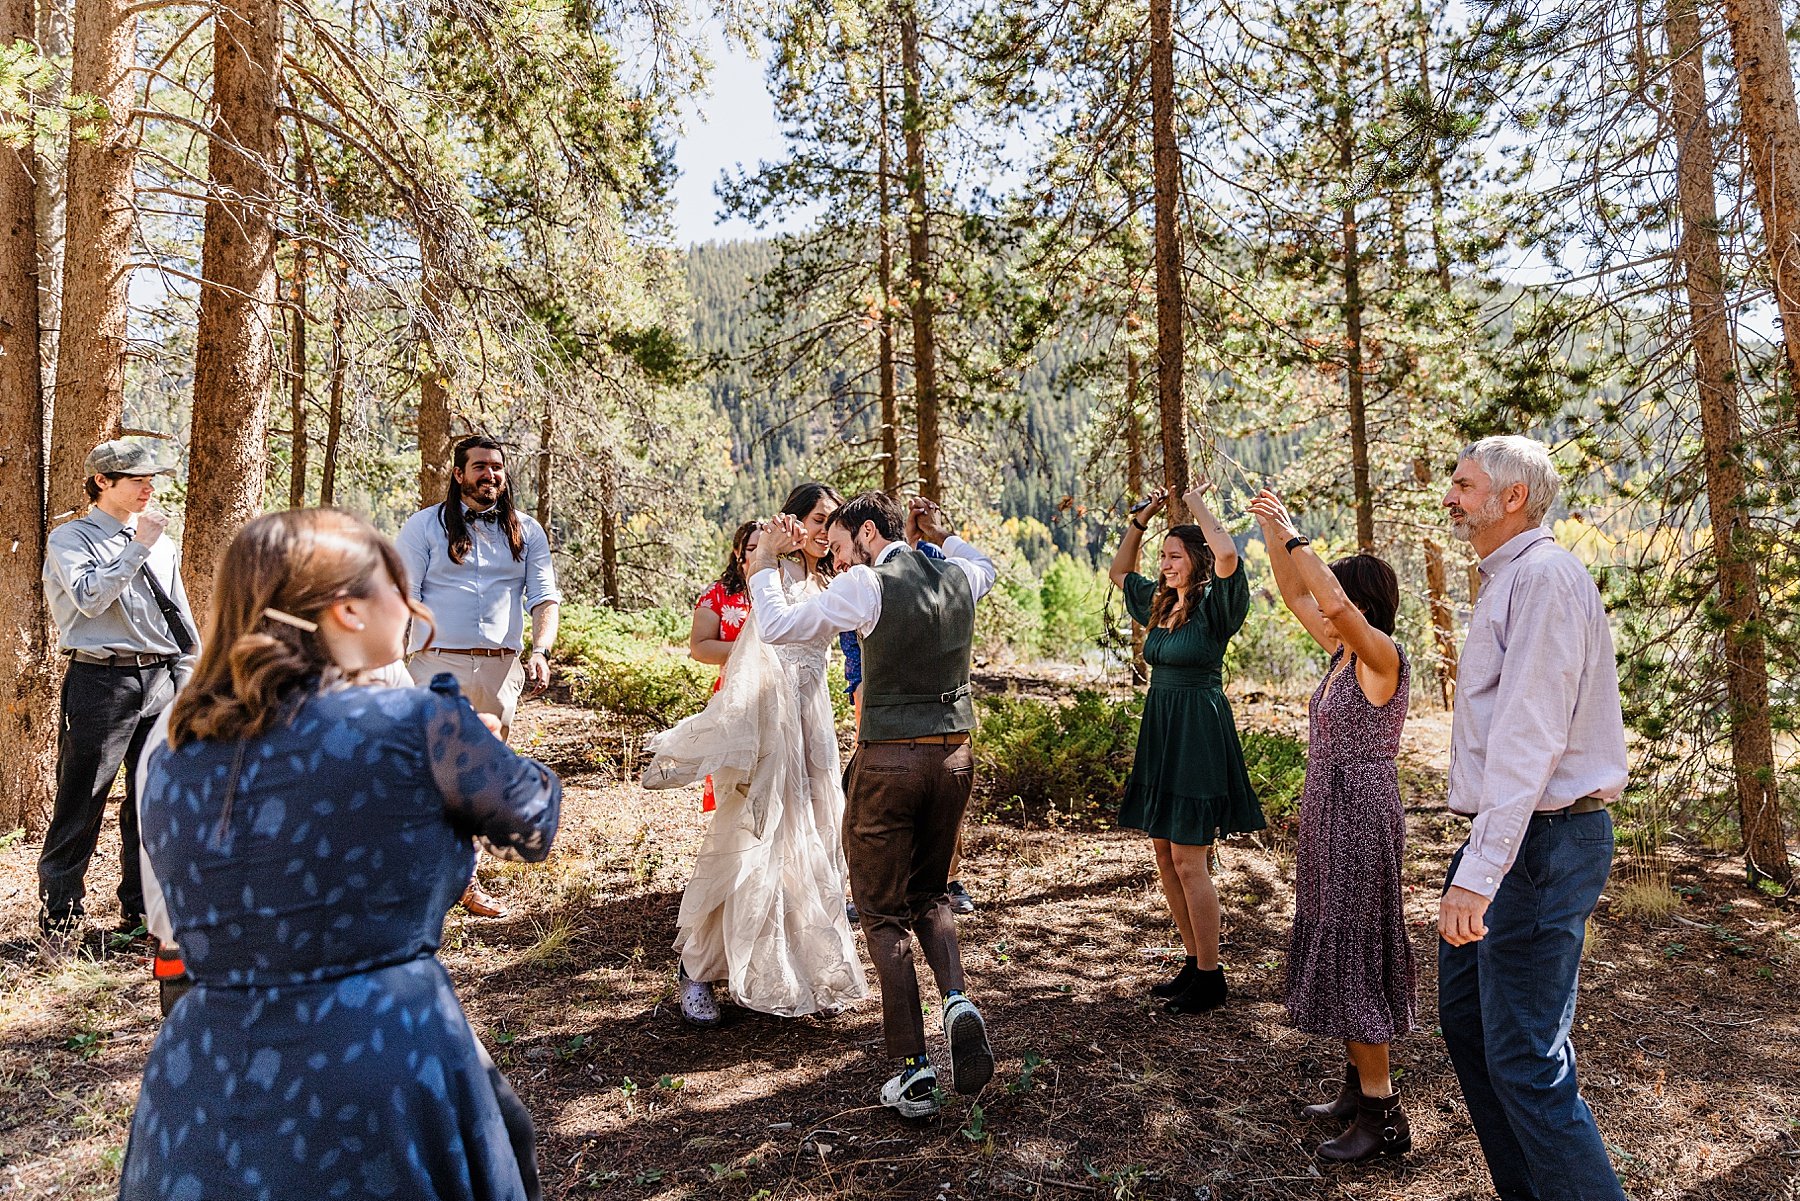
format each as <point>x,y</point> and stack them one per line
<point>734,124</point>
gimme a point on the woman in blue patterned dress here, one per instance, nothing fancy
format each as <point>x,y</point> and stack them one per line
<point>309,838</point>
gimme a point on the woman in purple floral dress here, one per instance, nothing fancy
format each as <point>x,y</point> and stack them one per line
<point>1350,963</point>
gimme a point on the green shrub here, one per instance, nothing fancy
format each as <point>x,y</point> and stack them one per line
<point>1038,758</point>
<point>1277,767</point>
<point>632,664</point>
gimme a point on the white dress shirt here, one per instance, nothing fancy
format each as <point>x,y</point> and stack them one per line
<point>1538,723</point>
<point>853,601</point>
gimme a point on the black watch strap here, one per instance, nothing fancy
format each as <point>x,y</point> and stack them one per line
<point>1140,525</point>
<point>1298,541</point>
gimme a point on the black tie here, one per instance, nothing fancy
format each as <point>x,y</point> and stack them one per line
<point>178,627</point>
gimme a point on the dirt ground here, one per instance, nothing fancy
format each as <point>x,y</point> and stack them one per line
<point>1687,1029</point>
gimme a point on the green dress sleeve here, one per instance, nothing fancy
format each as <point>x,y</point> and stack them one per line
<point>1226,605</point>
<point>1139,591</point>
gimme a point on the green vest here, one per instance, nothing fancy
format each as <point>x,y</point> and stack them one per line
<point>915,661</point>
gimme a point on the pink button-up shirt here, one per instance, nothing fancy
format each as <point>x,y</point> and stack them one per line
<point>1537,724</point>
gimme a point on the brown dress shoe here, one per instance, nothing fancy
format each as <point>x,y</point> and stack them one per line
<point>480,904</point>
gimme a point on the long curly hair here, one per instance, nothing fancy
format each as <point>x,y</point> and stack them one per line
<point>1167,602</point>
<point>732,578</point>
<point>295,562</point>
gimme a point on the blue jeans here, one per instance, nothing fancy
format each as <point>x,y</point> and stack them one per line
<point>1506,1004</point>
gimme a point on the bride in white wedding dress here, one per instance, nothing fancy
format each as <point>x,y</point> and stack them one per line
<point>764,911</point>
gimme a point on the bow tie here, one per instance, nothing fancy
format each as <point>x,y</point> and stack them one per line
<point>489,515</point>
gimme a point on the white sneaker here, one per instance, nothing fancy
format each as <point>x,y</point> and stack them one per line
<point>698,1005</point>
<point>912,1096</point>
<point>971,1059</point>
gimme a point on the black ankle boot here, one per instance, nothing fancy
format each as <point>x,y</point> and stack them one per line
<point>1183,979</point>
<point>1206,992</point>
<point>1344,1107</point>
<point>1381,1129</point>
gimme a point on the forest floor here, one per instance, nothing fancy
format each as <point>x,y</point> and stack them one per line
<point>1688,1032</point>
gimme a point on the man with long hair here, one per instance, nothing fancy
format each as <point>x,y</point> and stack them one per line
<point>479,565</point>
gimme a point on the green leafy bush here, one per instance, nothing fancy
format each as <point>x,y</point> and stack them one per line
<point>632,664</point>
<point>1039,758</point>
<point>1043,761</point>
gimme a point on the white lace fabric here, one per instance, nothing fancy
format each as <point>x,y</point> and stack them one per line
<point>764,911</point>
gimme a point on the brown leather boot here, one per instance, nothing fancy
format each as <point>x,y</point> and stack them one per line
<point>480,904</point>
<point>1344,1107</point>
<point>1380,1129</point>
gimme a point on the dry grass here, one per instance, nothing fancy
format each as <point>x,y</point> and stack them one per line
<point>1097,1094</point>
<point>1645,898</point>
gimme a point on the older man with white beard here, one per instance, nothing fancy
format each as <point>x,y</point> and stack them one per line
<point>1537,751</point>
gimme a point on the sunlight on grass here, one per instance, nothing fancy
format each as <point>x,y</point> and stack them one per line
<point>1647,898</point>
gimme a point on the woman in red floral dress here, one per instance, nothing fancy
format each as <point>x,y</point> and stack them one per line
<point>719,617</point>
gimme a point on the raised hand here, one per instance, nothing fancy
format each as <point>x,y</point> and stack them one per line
<point>1272,516</point>
<point>1195,497</point>
<point>1156,503</point>
<point>929,520</point>
<point>781,535</point>
<point>150,526</point>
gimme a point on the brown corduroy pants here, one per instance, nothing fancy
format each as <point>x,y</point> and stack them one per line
<point>903,810</point>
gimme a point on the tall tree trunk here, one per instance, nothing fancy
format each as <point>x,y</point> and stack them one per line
<point>890,393</point>
<point>1165,161</point>
<point>55,21</point>
<point>918,261</point>
<point>1437,572</point>
<point>434,386</point>
<point>90,370</point>
<point>234,366</point>
<point>297,385</point>
<point>546,434</point>
<point>1362,490</point>
<point>334,412</point>
<point>1134,490</point>
<point>1765,82</point>
<point>27,698</point>
<point>609,532</point>
<point>1734,551</point>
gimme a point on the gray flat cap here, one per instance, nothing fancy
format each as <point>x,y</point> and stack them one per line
<point>124,458</point>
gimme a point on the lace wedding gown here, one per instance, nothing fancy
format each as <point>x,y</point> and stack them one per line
<point>764,911</point>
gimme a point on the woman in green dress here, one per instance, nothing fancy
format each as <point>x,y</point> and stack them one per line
<point>1188,785</point>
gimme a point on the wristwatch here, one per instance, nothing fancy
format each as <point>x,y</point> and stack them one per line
<point>1297,541</point>
<point>1140,525</point>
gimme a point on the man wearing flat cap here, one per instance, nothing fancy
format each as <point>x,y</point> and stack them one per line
<point>112,582</point>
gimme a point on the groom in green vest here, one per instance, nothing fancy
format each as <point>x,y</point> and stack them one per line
<point>909,782</point>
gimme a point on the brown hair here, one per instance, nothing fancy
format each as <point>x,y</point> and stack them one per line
<point>1167,602</point>
<point>879,507</point>
<point>93,489</point>
<point>1370,585</point>
<point>295,562</point>
<point>450,513</point>
<point>732,578</point>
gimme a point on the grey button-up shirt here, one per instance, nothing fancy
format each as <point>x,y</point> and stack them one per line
<point>482,601</point>
<point>1538,724</point>
<point>101,602</point>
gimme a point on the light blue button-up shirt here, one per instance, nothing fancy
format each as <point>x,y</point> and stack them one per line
<point>482,601</point>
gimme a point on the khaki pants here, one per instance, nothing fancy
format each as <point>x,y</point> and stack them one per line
<point>493,683</point>
<point>902,815</point>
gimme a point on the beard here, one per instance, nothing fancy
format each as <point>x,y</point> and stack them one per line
<point>481,495</point>
<point>1477,519</point>
<point>857,556</point>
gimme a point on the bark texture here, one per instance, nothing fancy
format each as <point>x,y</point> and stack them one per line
<point>90,370</point>
<point>1765,83</point>
<point>1165,160</point>
<point>234,365</point>
<point>918,261</point>
<point>27,694</point>
<point>1734,551</point>
<point>434,390</point>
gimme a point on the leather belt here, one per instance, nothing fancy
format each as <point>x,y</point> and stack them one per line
<point>131,660</point>
<point>956,739</point>
<point>1587,804</point>
<point>485,652</point>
